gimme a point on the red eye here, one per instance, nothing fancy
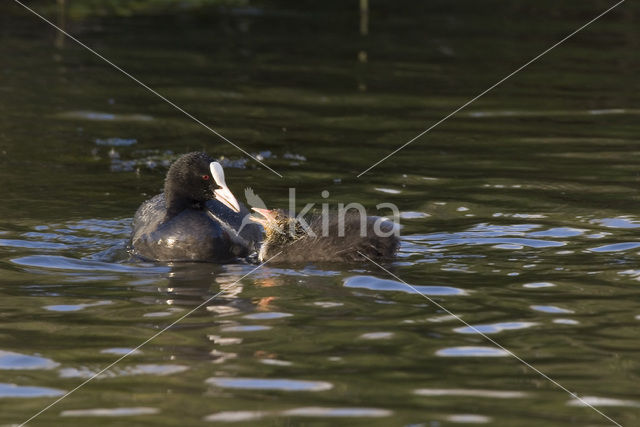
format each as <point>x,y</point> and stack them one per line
<point>205,177</point>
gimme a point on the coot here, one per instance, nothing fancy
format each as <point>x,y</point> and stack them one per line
<point>294,242</point>
<point>197,218</point>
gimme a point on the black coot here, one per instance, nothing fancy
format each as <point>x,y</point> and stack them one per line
<point>197,218</point>
<point>326,240</point>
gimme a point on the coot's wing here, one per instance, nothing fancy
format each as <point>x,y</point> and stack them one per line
<point>148,216</point>
<point>190,236</point>
<point>246,229</point>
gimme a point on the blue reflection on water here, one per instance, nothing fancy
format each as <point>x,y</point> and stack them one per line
<point>618,222</point>
<point>270,384</point>
<point>11,360</point>
<point>494,328</point>
<point>375,284</point>
<point>616,247</point>
<point>550,309</point>
<point>267,315</point>
<point>14,390</point>
<point>472,351</point>
<point>66,263</point>
<point>15,243</point>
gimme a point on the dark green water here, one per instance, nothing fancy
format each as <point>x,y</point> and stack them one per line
<point>519,216</point>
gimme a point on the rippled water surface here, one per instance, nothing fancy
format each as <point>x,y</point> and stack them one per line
<point>520,215</point>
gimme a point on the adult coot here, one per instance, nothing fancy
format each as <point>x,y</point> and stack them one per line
<point>330,239</point>
<point>197,218</point>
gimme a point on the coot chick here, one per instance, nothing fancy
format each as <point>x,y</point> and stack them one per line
<point>196,218</point>
<point>295,242</point>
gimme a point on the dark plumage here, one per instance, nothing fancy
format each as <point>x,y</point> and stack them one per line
<point>287,236</point>
<point>195,219</point>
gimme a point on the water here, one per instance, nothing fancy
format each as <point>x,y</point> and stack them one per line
<point>519,216</point>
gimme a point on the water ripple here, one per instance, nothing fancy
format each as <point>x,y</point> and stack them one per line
<point>66,263</point>
<point>236,416</point>
<point>388,190</point>
<point>532,243</point>
<point>11,360</point>
<point>328,304</point>
<point>15,243</point>
<point>538,285</point>
<point>603,401</point>
<point>493,328</point>
<point>275,362</point>
<point>109,412</point>
<point>14,390</point>
<point>413,215</point>
<point>101,117</point>
<point>468,418</point>
<point>269,384</point>
<point>515,236</point>
<point>551,309</point>
<point>616,247</point>
<point>566,321</point>
<point>472,351</point>
<point>142,369</point>
<point>548,113</point>
<point>559,232</point>
<point>493,394</point>
<point>74,307</point>
<point>337,412</point>
<point>120,351</point>
<point>375,284</point>
<point>617,222</point>
<point>267,315</point>
<point>376,336</point>
<point>246,328</point>
<point>311,411</point>
<point>116,142</point>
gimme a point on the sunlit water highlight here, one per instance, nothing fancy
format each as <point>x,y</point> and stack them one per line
<point>519,215</point>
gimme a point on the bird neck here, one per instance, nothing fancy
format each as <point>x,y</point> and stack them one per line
<point>177,201</point>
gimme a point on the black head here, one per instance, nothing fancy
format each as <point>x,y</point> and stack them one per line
<point>192,180</point>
